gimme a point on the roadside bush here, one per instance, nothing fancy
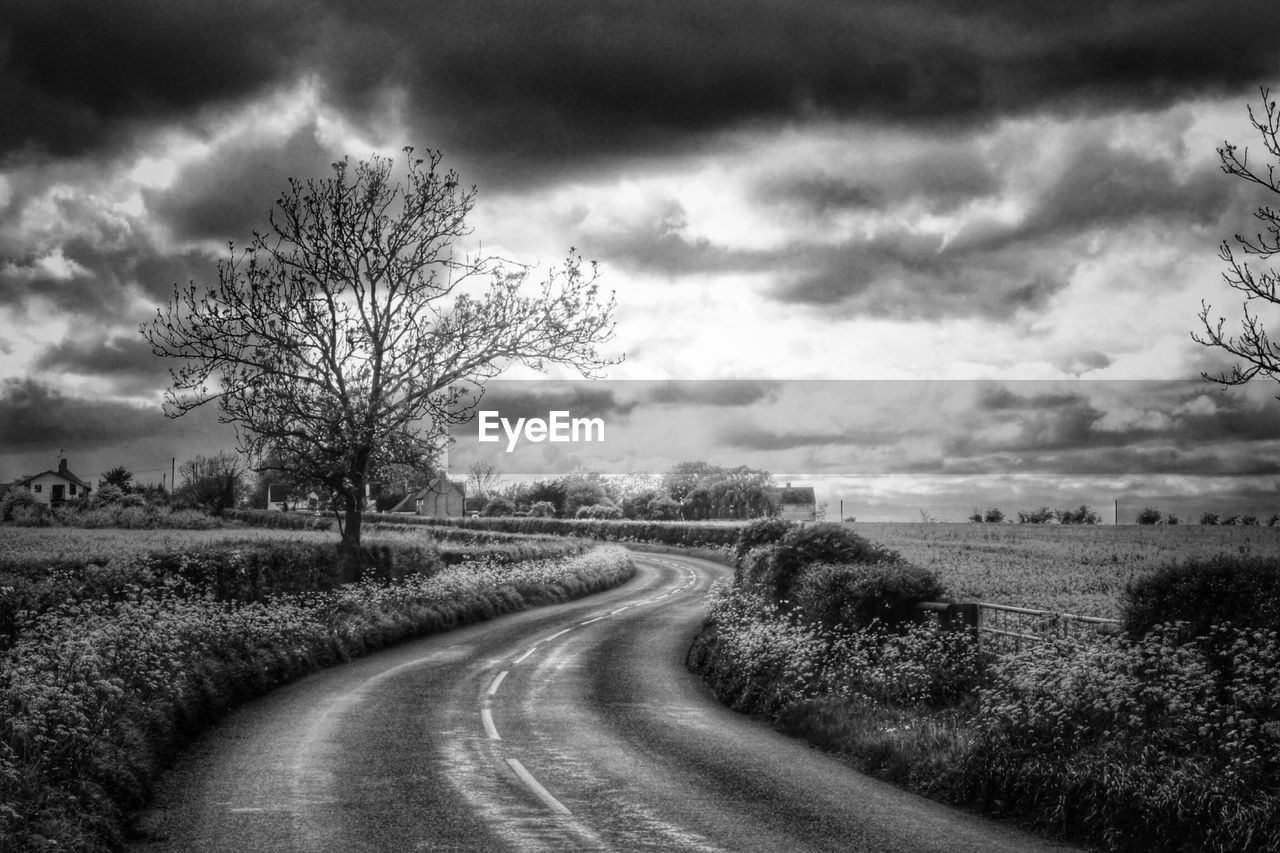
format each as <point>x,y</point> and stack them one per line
<point>826,542</point>
<point>864,596</point>
<point>676,533</point>
<point>762,531</point>
<point>754,570</point>
<point>602,511</point>
<point>542,509</point>
<point>498,506</point>
<point>1138,745</point>
<point>1229,589</point>
<point>273,519</point>
<point>1149,515</point>
<point>97,694</point>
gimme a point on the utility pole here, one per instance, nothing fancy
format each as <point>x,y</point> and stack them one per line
<point>1117,511</point>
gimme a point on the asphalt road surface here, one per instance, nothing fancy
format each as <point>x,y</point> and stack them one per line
<point>574,727</point>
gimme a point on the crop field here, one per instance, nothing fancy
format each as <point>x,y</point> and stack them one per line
<point>1066,568</point>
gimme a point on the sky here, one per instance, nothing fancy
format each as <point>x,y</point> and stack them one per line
<point>911,193</point>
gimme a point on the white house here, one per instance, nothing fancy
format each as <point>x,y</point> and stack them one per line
<point>54,487</point>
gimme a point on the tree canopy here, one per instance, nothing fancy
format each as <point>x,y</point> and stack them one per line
<point>347,337</point>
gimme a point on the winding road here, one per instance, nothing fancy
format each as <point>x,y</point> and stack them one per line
<point>573,727</point>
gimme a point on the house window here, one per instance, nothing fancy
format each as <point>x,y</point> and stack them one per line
<point>72,490</point>
<point>38,487</point>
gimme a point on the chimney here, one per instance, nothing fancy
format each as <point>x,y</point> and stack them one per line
<point>62,466</point>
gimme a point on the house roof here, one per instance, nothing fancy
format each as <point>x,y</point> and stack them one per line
<point>64,474</point>
<point>795,495</point>
<point>410,502</point>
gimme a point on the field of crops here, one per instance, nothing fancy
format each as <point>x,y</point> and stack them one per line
<point>1067,568</point>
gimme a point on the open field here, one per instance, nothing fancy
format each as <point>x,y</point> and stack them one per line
<point>1067,568</point>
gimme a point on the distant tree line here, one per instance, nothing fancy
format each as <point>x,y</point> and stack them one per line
<point>693,491</point>
<point>1041,515</point>
<point>1151,515</point>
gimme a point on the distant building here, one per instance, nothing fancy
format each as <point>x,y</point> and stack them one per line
<point>441,498</point>
<point>281,497</point>
<point>795,503</point>
<point>54,488</point>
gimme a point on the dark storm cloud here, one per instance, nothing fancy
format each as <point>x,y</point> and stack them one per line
<point>124,360</point>
<point>914,278</point>
<point>533,86</point>
<point>748,436</point>
<point>939,178</point>
<point>534,399</point>
<point>226,196</point>
<point>34,416</point>
<point>657,244</point>
<point>730,393</point>
<point>612,77</point>
<point>82,74</point>
<point>996,398</point>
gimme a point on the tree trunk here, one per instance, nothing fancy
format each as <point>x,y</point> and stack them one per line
<point>354,512</point>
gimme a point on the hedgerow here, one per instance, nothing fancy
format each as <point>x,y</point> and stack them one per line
<point>660,532</point>
<point>95,693</point>
<point>1167,738</point>
<point>1200,593</point>
<point>1137,744</point>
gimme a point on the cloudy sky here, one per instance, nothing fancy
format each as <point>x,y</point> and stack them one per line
<point>776,190</point>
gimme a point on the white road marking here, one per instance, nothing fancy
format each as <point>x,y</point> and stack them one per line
<point>557,634</point>
<point>597,619</point>
<point>525,655</point>
<point>493,688</point>
<point>489,728</point>
<point>536,787</point>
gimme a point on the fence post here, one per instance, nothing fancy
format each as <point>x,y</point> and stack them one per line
<point>966,614</point>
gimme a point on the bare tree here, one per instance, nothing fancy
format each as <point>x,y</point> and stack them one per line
<point>483,477</point>
<point>345,340</point>
<point>1256,353</point>
<point>213,483</point>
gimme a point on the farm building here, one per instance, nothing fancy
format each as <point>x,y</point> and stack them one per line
<point>795,503</point>
<point>54,487</point>
<point>441,498</point>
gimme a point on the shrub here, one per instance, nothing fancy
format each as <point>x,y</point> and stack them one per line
<point>542,509</point>
<point>762,531</point>
<point>864,595</point>
<point>1043,515</point>
<point>1081,515</point>
<point>1149,515</point>
<point>1242,591</point>
<point>605,511</point>
<point>993,515</point>
<point>1209,518</point>
<point>754,569</point>
<point>826,542</point>
<point>498,506</point>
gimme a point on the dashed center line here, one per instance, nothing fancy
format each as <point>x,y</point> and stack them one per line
<point>493,688</point>
<point>486,718</point>
<point>486,715</point>
<point>536,787</point>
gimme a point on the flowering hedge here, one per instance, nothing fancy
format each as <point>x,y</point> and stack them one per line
<point>95,693</point>
<point>1146,744</point>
